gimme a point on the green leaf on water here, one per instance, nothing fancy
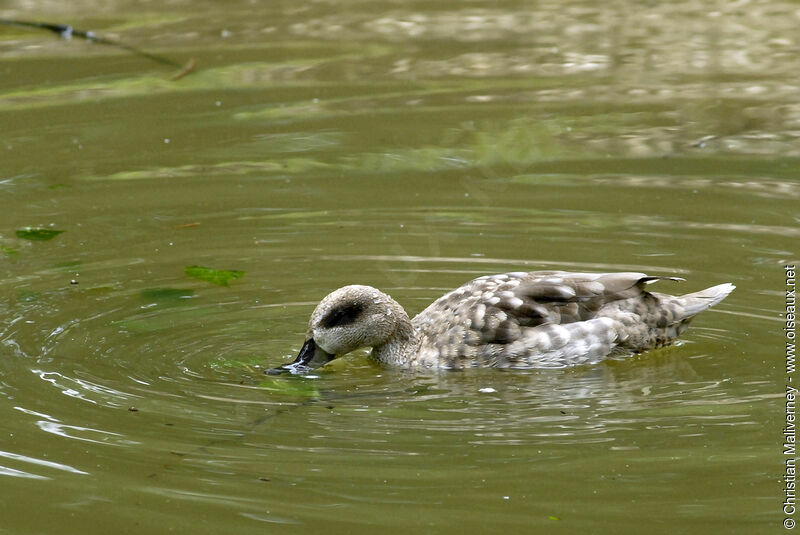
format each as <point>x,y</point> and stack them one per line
<point>219,277</point>
<point>162,295</point>
<point>8,250</point>
<point>551,517</point>
<point>297,387</point>
<point>37,234</point>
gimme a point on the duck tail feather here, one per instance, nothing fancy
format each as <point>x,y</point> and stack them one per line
<point>696,302</point>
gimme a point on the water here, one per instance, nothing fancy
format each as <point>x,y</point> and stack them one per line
<point>410,147</point>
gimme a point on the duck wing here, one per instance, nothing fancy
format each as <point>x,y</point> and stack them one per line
<point>535,319</point>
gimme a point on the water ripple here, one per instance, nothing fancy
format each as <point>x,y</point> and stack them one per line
<point>34,461</point>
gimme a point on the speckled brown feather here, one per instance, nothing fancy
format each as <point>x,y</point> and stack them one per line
<point>547,318</point>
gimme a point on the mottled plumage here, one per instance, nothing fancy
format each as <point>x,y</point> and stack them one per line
<point>540,319</point>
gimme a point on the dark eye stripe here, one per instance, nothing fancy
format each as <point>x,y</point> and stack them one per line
<point>342,315</point>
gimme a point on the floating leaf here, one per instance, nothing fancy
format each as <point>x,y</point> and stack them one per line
<point>8,250</point>
<point>551,517</point>
<point>166,294</point>
<point>297,387</point>
<point>219,277</point>
<point>37,234</point>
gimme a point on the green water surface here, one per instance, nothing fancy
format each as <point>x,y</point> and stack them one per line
<point>162,241</point>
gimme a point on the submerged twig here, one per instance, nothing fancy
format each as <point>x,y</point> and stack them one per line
<point>68,32</point>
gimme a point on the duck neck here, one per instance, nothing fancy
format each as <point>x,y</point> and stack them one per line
<point>401,348</point>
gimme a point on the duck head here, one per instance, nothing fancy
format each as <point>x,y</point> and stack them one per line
<point>347,319</point>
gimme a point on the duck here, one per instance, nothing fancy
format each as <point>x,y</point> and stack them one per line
<point>537,319</point>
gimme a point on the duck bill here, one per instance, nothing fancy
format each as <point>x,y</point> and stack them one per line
<point>311,356</point>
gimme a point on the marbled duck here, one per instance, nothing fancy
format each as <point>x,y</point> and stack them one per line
<point>541,319</point>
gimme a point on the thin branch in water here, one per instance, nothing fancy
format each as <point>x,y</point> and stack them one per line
<point>68,32</point>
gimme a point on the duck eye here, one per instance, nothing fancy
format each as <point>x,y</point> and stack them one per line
<point>342,315</point>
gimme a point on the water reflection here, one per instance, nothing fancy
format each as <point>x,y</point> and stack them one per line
<point>40,463</point>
